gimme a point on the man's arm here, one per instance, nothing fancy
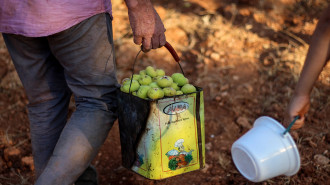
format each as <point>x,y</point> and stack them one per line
<point>146,24</point>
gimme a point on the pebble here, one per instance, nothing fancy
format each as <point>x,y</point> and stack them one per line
<point>215,56</point>
<point>312,144</point>
<point>321,159</point>
<point>224,87</point>
<point>248,87</point>
<point>208,146</point>
<point>206,168</point>
<point>244,122</point>
<point>28,161</point>
<point>11,152</point>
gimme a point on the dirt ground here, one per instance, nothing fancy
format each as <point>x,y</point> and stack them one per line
<point>246,55</point>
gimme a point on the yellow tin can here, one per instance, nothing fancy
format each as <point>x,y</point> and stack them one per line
<point>162,138</point>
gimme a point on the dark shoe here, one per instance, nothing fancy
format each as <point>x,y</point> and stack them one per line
<point>89,177</point>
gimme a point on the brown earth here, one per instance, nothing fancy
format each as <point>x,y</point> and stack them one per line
<point>246,55</point>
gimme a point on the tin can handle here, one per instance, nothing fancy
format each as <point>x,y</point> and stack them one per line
<point>169,47</point>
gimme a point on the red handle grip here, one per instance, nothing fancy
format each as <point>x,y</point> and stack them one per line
<point>172,51</point>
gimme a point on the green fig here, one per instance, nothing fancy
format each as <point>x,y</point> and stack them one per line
<point>154,84</point>
<point>142,72</point>
<point>175,86</point>
<point>143,91</point>
<point>125,80</point>
<point>169,91</point>
<point>151,71</point>
<point>145,80</point>
<point>180,79</point>
<point>155,93</point>
<point>179,92</point>
<point>188,88</point>
<point>160,72</point>
<point>164,81</point>
<point>136,77</point>
<point>126,87</point>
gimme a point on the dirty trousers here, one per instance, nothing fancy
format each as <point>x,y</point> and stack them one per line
<point>78,61</point>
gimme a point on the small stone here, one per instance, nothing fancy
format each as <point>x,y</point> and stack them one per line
<point>224,161</point>
<point>206,168</point>
<point>245,12</point>
<point>208,146</point>
<point>215,56</point>
<point>244,122</point>
<point>235,77</point>
<point>248,26</point>
<point>11,152</point>
<point>207,61</point>
<point>321,159</point>
<point>224,94</point>
<point>28,161</point>
<point>248,87</point>
<point>312,144</point>
<point>224,87</point>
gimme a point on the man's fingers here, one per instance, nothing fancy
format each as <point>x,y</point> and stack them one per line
<point>158,41</point>
<point>155,42</point>
<point>162,40</point>
<point>146,43</point>
<point>138,40</point>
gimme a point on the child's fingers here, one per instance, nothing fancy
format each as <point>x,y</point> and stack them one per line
<point>299,123</point>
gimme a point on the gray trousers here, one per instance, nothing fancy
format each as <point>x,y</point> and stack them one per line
<point>78,61</point>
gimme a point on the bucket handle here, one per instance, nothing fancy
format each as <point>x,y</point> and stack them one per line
<point>291,124</point>
<point>169,47</point>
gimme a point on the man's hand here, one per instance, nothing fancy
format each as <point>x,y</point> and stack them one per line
<point>298,106</point>
<point>146,24</point>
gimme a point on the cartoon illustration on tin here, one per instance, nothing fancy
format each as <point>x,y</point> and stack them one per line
<point>179,158</point>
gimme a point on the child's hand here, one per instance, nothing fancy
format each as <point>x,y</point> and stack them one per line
<point>299,106</point>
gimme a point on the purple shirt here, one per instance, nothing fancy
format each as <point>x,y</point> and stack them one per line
<point>37,18</point>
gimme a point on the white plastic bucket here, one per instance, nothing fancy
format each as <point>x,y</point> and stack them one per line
<point>264,152</point>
